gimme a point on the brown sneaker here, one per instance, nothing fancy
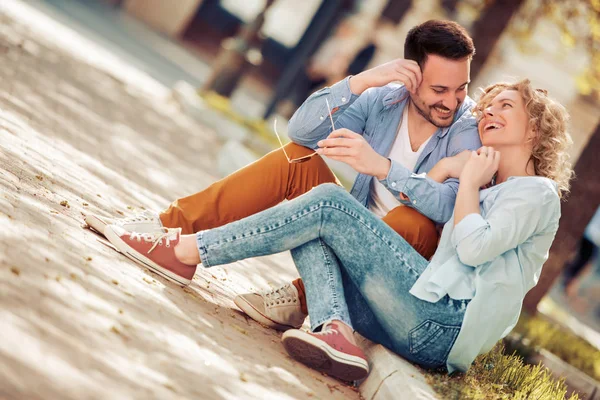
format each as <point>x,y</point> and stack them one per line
<point>327,351</point>
<point>277,309</point>
<point>153,250</point>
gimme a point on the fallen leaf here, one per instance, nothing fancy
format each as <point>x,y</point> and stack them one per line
<point>170,387</point>
<point>15,271</point>
<point>115,282</point>
<point>241,330</point>
<point>65,203</point>
<point>243,377</point>
<point>116,330</point>
<point>39,177</point>
<point>120,212</point>
<point>85,204</point>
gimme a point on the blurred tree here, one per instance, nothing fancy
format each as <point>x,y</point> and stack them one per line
<point>395,10</point>
<point>487,29</point>
<point>449,5</point>
<point>579,23</point>
<point>576,213</point>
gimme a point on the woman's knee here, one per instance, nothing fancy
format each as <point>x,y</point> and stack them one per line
<point>329,191</point>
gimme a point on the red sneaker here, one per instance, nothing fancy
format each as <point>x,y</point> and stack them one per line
<point>153,250</point>
<point>327,351</point>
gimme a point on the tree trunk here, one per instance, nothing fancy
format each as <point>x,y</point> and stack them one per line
<point>488,28</point>
<point>581,204</point>
<point>395,10</point>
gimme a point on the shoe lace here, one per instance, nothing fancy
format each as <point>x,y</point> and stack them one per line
<point>328,328</point>
<point>156,238</point>
<point>142,217</point>
<point>283,294</point>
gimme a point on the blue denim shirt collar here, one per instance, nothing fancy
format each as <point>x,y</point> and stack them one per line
<point>400,96</point>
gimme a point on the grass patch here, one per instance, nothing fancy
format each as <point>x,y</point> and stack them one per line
<point>498,376</point>
<point>538,332</point>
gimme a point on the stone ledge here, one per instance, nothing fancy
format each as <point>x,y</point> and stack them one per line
<point>392,377</point>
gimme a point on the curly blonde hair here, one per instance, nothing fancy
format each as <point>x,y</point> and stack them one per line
<point>549,120</point>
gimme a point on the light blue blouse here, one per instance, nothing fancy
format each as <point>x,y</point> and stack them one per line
<point>494,259</point>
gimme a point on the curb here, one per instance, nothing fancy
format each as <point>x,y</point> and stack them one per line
<point>392,377</point>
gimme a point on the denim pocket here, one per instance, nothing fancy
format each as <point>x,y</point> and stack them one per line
<point>431,342</point>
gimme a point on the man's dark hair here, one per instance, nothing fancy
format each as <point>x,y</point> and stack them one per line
<point>446,39</point>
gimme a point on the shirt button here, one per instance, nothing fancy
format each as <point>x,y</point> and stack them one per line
<point>414,202</point>
<point>321,118</point>
<point>343,99</point>
<point>393,184</point>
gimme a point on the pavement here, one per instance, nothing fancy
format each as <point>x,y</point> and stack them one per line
<point>84,131</point>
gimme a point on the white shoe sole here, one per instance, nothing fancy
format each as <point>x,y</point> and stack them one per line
<point>318,355</point>
<point>96,223</point>
<point>256,315</point>
<point>136,256</point>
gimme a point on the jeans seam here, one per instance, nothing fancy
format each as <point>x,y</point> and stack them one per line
<point>335,306</point>
<point>382,238</point>
<point>269,229</point>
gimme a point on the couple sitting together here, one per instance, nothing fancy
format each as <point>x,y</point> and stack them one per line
<point>492,173</point>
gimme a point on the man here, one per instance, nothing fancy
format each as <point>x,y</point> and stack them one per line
<point>394,133</point>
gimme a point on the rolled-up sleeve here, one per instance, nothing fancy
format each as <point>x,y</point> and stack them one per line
<point>433,199</point>
<point>513,219</point>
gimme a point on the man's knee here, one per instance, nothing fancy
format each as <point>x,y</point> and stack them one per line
<point>418,230</point>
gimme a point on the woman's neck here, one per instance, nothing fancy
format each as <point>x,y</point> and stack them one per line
<point>514,162</point>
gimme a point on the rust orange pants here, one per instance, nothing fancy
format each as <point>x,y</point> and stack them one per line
<point>269,181</point>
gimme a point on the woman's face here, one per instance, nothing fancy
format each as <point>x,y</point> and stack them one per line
<point>505,122</point>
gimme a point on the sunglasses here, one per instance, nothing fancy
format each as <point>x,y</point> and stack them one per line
<point>304,158</point>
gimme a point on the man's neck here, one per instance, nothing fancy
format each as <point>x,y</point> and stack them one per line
<point>419,129</point>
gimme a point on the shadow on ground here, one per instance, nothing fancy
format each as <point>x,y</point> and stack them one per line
<point>80,320</point>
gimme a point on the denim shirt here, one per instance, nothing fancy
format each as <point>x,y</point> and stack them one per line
<point>376,115</point>
<point>494,259</point>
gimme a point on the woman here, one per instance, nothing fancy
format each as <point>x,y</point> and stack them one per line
<point>359,274</point>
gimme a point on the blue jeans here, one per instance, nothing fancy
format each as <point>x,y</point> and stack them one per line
<point>355,269</point>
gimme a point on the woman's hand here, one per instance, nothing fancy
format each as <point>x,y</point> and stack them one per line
<point>480,167</point>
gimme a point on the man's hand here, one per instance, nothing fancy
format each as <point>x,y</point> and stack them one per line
<point>449,167</point>
<point>351,148</point>
<point>400,70</point>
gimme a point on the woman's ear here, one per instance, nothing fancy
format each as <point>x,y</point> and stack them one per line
<point>531,134</point>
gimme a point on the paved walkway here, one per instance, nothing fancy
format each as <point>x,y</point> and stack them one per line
<point>82,131</point>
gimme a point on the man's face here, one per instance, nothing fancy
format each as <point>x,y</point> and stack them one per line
<point>442,90</point>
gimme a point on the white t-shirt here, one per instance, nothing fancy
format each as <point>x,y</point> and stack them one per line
<point>382,200</point>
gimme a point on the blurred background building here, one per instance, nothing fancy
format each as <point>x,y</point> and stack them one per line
<point>290,48</point>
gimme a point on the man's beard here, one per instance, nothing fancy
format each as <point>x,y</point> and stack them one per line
<point>429,118</point>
